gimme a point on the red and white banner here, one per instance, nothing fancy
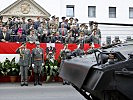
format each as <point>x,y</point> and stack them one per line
<point>10,48</point>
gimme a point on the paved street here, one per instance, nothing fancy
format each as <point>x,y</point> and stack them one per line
<point>49,91</point>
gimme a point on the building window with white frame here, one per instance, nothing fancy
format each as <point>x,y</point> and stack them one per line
<point>112,12</point>
<point>70,10</point>
<point>91,11</point>
<point>130,12</point>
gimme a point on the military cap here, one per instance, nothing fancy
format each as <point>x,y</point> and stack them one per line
<point>47,19</point>
<point>63,17</point>
<point>53,16</point>
<point>70,18</point>
<point>29,20</point>
<point>10,18</point>
<point>23,17</point>
<point>13,16</point>
<point>1,17</point>
<point>91,23</point>
<point>76,19</point>
<point>37,43</point>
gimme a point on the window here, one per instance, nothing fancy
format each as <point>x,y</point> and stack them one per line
<point>70,10</point>
<point>130,12</point>
<point>91,11</point>
<point>112,12</point>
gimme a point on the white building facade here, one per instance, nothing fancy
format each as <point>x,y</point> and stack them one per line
<point>107,11</point>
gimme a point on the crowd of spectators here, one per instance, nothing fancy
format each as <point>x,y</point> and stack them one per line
<point>48,30</point>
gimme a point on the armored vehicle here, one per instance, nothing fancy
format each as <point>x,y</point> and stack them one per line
<point>103,74</point>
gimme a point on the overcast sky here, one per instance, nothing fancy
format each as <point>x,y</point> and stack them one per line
<point>6,3</point>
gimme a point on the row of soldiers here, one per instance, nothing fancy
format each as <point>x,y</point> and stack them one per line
<point>35,59</point>
<point>46,30</point>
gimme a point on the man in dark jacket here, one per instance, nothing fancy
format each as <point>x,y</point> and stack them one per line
<point>4,35</point>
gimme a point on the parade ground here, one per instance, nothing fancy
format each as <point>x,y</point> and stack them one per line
<point>48,91</point>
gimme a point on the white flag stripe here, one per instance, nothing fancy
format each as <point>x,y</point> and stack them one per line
<point>50,44</point>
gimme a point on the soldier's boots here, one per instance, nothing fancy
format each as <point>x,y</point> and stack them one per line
<point>22,83</point>
<point>35,83</point>
<point>66,83</point>
<point>39,83</point>
<point>35,79</point>
<point>26,83</point>
<point>39,79</point>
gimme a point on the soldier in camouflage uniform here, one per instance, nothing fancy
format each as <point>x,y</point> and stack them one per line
<point>24,62</point>
<point>96,34</point>
<point>79,51</point>
<point>37,63</point>
<point>64,54</point>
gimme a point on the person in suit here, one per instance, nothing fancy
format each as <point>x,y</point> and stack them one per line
<point>24,62</point>
<point>40,31</point>
<point>81,38</point>
<point>76,23</point>
<point>62,33</point>
<point>75,32</point>
<point>37,63</point>
<point>53,21</point>
<point>4,35</point>
<point>37,23</point>
<point>9,22</point>
<point>20,37</point>
<point>70,24</point>
<point>24,25</point>
<point>63,21</point>
<point>69,38</point>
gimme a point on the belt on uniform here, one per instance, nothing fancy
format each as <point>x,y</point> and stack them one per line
<point>37,59</point>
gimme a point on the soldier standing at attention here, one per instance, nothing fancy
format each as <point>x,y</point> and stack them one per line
<point>37,63</point>
<point>24,62</point>
<point>65,54</point>
<point>79,51</point>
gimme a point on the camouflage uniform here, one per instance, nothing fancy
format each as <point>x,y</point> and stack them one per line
<point>79,51</point>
